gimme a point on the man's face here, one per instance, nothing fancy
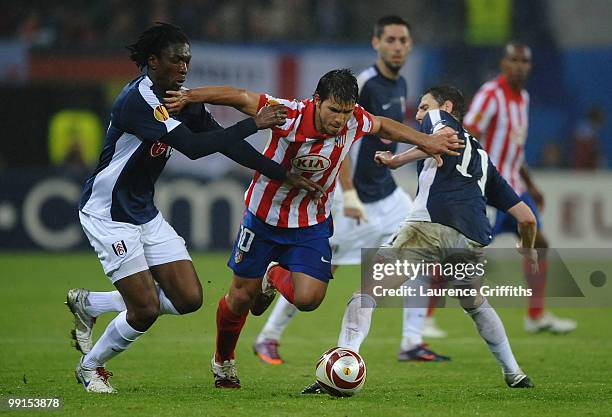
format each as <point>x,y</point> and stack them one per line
<point>393,46</point>
<point>427,103</point>
<point>516,65</point>
<point>171,66</point>
<point>333,115</point>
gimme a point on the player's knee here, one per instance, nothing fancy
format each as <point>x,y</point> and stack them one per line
<point>240,299</point>
<point>189,304</point>
<point>471,303</point>
<point>308,302</point>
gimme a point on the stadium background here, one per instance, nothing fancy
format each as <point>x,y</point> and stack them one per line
<point>63,63</point>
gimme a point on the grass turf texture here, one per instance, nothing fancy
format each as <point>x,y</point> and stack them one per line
<point>167,371</point>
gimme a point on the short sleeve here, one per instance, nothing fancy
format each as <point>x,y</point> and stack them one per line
<point>435,120</point>
<point>293,111</point>
<point>498,192</point>
<point>365,121</point>
<point>144,116</point>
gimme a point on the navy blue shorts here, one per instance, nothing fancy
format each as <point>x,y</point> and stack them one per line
<point>303,249</point>
<point>505,223</point>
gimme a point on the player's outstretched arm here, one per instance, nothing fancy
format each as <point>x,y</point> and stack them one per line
<point>196,145</point>
<point>353,207</point>
<point>442,142</point>
<point>243,100</point>
<point>395,161</point>
<point>527,229</point>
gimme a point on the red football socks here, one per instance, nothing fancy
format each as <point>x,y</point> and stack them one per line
<point>537,283</point>
<point>229,326</point>
<point>281,279</point>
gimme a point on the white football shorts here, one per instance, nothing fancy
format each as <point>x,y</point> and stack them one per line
<point>124,248</point>
<point>384,217</point>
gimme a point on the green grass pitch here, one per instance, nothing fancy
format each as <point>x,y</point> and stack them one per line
<point>166,373</point>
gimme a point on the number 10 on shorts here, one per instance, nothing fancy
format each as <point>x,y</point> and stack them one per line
<point>246,239</point>
<point>244,243</point>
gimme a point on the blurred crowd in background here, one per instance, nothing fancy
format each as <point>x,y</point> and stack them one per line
<point>108,23</point>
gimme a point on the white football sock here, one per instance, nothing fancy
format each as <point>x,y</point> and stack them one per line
<point>412,327</point>
<point>117,337</point>
<point>491,329</point>
<point>356,321</point>
<point>415,311</point>
<point>103,302</point>
<point>277,322</point>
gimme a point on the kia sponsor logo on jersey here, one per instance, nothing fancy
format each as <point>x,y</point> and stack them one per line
<point>158,149</point>
<point>311,163</point>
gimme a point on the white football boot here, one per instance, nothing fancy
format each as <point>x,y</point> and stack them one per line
<point>94,380</point>
<point>548,322</point>
<point>518,380</point>
<point>83,322</point>
<point>225,375</point>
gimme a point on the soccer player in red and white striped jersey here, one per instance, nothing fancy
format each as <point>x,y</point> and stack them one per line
<point>498,115</point>
<point>282,224</point>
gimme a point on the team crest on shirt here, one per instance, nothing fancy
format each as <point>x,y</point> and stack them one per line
<point>161,113</point>
<point>158,149</point>
<point>311,163</point>
<point>340,141</point>
<point>119,248</point>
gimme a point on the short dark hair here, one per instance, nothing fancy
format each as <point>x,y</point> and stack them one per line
<point>379,26</point>
<point>513,44</point>
<point>442,93</point>
<point>340,84</point>
<point>155,39</point>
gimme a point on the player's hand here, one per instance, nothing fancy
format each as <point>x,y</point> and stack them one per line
<point>538,198</point>
<point>443,142</point>
<point>531,255</point>
<point>270,116</point>
<point>295,180</point>
<point>176,100</point>
<point>385,158</point>
<point>353,207</point>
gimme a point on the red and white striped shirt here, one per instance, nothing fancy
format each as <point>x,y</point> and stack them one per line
<point>299,147</point>
<point>498,116</point>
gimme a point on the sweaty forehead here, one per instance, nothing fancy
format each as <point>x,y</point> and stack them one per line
<point>177,49</point>
<point>428,100</point>
<point>397,31</point>
<point>340,105</point>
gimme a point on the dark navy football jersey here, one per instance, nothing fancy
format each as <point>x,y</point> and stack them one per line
<point>456,194</point>
<point>122,185</point>
<point>380,96</point>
